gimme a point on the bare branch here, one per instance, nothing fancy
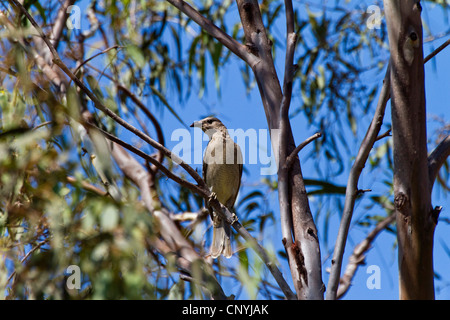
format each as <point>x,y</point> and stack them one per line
<point>85,185</point>
<point>292,157</point>
<point>185,216</point>
<point>152,118</point>
<point>95,56</point>
<point>194,188</point>
<point>435,52</point>
<point>290,18</point>
<point>384,135</point>
<point>352,187</point>
<point>358,256</point>
<point>234,46</point>
<point>415,223</point>
<point>283,173</point>
<point>276,273</point>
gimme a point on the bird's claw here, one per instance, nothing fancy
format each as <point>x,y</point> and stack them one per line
<point>212,197</point>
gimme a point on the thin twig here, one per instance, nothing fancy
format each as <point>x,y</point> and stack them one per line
<point>194,188</point>
<point>152,118</point>
<point>437,158</point>
<point>291,158</point>
<point>435,52</point>
<point>358,255</point>
<point>95,56</point>
<point>384,135</point>
<point>87,186</point>
<point>40,244</point>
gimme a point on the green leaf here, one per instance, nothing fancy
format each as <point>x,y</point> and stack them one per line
<point>164,101</point>
<point>251,195</point>
<point>109,218</point>
<point>136,55</point>
<point>93,83</point>
<point>325,187</point>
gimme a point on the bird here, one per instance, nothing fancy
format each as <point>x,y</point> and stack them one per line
<point>222,172</point>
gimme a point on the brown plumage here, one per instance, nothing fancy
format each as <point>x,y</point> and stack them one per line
<point>222,171</point>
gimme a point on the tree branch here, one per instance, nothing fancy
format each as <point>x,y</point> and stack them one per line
<point>284,198</point>
<point>359,164</point>
<point>384,135</point>
<point>157,126</point>
<point>437,158</point>
<point>234,46</point>
<point>292,157</point>
<point>95,56</point>
<point>352,187</point>
<point>358,256</point>
<point>435,52</point>
<point>194,188</point>
<point>85,185</point>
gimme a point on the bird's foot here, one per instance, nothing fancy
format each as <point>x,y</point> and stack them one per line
<point>212,197</point>
<point>235,218</point>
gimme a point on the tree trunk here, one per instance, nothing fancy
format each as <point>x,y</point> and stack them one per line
<point>306,264</point>
<point>415,224</point>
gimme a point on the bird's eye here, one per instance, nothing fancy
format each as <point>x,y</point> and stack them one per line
<point>210,121</point>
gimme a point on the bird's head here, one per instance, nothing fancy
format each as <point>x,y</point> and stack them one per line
<point>210,125</point>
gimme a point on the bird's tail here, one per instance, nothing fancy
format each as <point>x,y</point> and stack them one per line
<point>221,243</point>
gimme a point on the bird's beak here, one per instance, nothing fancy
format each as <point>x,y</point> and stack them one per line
<point>196,124</point>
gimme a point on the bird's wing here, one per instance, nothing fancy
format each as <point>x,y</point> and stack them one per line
<point>239,161</point>
<point>204,171</point>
